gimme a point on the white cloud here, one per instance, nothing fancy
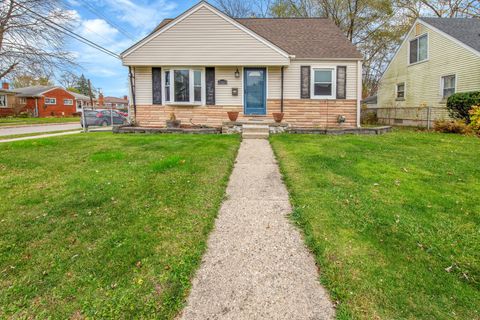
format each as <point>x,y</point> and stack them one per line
<point>98,30</point>
<point>142,15</point>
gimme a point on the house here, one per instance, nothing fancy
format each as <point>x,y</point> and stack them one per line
<point>204,63</point>
<point>438,57</point>
<point>116,103</point>
<point>7,101</point>
<point>46,101</point>
<point>82,101</point>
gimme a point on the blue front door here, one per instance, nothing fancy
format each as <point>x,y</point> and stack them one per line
<point>255,91</point>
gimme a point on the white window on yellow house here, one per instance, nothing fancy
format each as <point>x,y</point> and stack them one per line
<point>419,49</point>
<point>448,85</point>
<point>401,90</point>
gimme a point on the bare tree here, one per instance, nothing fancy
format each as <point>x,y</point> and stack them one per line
<point>245,8</point>
<point>29,41</point>
<point>68,79</point>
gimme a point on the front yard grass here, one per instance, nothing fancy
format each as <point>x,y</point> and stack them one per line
<point>10,121</point>
<point>106,226</point>
<point>393,220</point>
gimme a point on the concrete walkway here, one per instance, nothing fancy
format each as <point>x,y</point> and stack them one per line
<point>256,265</point>
<point>40,136</point>
<point>38,128</point>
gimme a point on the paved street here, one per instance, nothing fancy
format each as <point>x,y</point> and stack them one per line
<point>38,128</point>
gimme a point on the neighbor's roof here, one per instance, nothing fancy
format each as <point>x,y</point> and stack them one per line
<point>115,100</point>
<point>35,91</point>
<point>79,96</point>
<point>302,37</point>
<point>465,30</point>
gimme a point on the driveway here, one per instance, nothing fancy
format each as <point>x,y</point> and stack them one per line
<point>6,131</point>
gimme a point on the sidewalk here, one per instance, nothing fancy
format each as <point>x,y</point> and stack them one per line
<point>256,265</point>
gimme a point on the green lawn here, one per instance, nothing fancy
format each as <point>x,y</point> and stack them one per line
<point>23,135</point>
<point>106,226</point>
<point>5,122</point>
<point>393,220</point>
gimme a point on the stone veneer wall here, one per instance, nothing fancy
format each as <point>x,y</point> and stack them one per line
<point>298,113</point>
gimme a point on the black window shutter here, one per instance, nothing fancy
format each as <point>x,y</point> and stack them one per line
<point>210,86</point>
<point>157,85</point>
<point>413,50</point>
<point>341,82</point>
<point>305,82</point>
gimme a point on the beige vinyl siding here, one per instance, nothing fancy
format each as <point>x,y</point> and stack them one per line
<point>205,39</point>
<point>292,77</point>
<point>143,85</point>
<point>423,80</point>
<point>223,93</point>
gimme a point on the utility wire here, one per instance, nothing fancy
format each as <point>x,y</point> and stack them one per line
<point>70,33</point>
<point>93,10</point>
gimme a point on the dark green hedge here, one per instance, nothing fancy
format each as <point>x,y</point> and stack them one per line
<point>458,104</point>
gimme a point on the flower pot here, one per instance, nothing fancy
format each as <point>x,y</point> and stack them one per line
<point>278,116</point>
<point>232,115</point>
<point>171,124</point>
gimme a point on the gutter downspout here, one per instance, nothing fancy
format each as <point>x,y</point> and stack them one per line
<point>281,90</point>
<point>132,92</point>
<point>359,90</point>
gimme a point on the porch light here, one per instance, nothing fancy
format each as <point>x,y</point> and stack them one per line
<point>237,73</point>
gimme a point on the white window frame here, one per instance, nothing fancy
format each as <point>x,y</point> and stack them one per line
<point>6,100</point>
<point>442,84</point>
<point>333,69</point>
<point>68,104</point>
<point>418,49</point>
<point>190,83</point>
<point>22,100</point>
<point>404,91</point>
<point>51,104</point>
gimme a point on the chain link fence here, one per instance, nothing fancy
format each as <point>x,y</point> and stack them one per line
<point>417,117</point>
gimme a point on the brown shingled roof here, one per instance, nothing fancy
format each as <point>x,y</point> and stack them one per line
<point>316,38</point>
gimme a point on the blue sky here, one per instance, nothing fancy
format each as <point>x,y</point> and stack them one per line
<point>137,17</point>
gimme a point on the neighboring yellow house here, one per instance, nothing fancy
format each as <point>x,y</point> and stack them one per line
<point>439,56</point>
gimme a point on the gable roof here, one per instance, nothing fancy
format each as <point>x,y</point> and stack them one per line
<point>198,6</point>
<point>115,100</point>
<point>465,30</point>
<point>34,91</point>
<point>314,38</point>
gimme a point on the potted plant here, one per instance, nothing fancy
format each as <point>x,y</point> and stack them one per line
<point>173,122</point>
<point>232,115</point>
<point>278,116</point>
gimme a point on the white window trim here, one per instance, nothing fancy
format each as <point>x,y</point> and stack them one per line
<point>68,104</point>
<point>333,96</point>
<point>418,47</point>
<point>6,100</point>
<point>442,84</point>
<point>191,87</point>
<point>51,104</point>
<point>404,91</point>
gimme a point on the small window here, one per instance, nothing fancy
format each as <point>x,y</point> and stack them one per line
<point>197,85</point>
<point>448,86</point>
<point>3,101</point>
<point>50,101</point>
<point>167,85</point>
<point>323,83</point>
<point>22,100</point>
<point>419,49</point>
<point>401,90</point>
<point>68,102</point>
